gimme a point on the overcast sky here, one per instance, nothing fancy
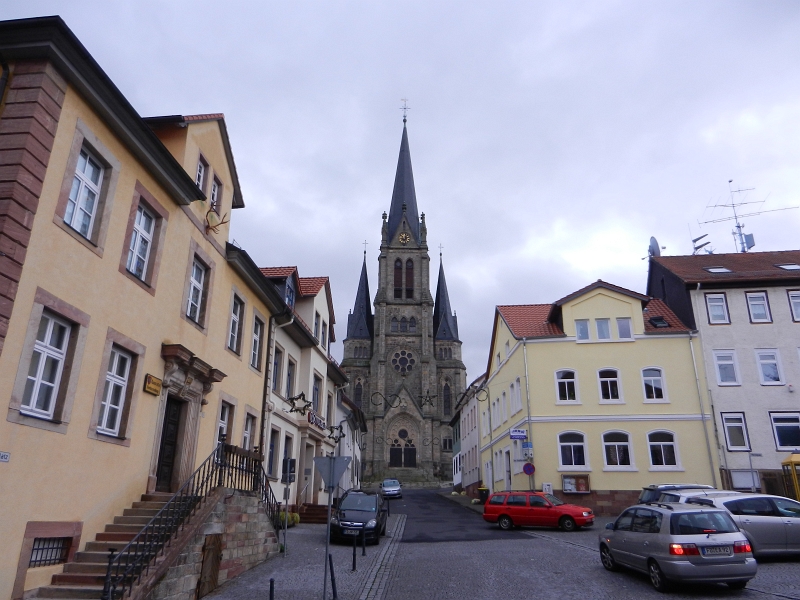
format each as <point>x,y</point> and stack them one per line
<point>549,140</point>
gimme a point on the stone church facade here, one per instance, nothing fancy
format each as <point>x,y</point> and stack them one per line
<point>404,361</point>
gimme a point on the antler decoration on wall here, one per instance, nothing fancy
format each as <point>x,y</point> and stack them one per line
<point>215,228</point>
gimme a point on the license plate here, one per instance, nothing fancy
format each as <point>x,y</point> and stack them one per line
<point>716,550</point>
<point>351,532</point>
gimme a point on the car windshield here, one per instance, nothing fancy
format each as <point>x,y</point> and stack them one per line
<point>553,500</point>
<point>358,502</point>
<point>390,483</point>
<point>648,495</point>
<point>701,522</point>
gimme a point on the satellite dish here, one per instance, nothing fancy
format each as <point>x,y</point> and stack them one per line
<point>654,249</point>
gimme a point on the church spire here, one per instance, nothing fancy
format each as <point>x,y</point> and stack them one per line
<point>359,322</point>
<point>404,198</point>
<point>445,324</point>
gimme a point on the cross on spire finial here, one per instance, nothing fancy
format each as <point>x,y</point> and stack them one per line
<point>365,248</point>
<point>440,250</point>
<point>404,108</point>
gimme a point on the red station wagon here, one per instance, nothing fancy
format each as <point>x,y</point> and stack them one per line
<point>509,509</point>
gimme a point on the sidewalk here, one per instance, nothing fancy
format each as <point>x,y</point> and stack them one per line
<point>299,575</point>
<point>464,501</point>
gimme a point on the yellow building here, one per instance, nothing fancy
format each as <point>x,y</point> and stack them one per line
<point>598,392</point>
<point>133,336</point>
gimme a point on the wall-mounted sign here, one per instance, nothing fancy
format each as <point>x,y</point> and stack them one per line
<point>152,385</point>
<point>575,484</point>
<point>5,456</point>
<point>519,434</point>
<point>527,445</point>
<point>315,419</point>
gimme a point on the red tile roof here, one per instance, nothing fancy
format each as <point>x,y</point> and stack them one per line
<point>277,271</point>
<point>600,284</point>
<point>310,286</point>
<point>529,320</point>
<point>750,266</point>
<point>657,308</point>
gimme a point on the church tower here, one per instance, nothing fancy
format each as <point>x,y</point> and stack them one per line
<point>404,361</point>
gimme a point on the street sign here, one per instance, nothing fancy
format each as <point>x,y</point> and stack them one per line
<point>528,469</point>
<point>527,445</point>
<point>519,434</point>
<point>331,468</point>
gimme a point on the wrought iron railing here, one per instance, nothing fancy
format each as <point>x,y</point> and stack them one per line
<point>227,466</point>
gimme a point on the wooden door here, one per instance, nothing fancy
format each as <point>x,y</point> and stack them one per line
<point>409,456</point>
<point>168,450</point>
<point>395,457</point>
<point>209,572</point>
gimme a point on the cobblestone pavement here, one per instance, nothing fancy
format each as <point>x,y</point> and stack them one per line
<point>439,550</point>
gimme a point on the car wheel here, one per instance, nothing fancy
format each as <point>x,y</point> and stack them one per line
<point>736,585</point>
<point>567,524</point>
<point>608,560</point>
<point>657,577</point>
<point>505,522</point>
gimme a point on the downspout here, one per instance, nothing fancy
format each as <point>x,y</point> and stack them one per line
<point>702,411</point>
<point>528,403</point>
<point>267,378</point>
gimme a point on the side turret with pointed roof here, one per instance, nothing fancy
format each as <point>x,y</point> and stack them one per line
<point>360,323</point>
<point>445,324</point>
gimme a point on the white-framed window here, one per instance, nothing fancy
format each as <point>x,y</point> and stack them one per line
<point>201,174</point>
<point>663,451</point>
<point>115,392</point>
<point>46,368</point>
<point>503,407</point>
<point>508,349</point>
<point>572,450</point>
<point>653,381</point>
<point>794,304</point>
<point>769,370</point>
<point>141,242</point>
<point>566,386</point>
<point>235,330</point>
<point>290,369</point>
<point>519,394</point>
<point>624,328</point>
<point>196,282</point>
<point>717,306</point>
<point>277,367</point>
<point>786,427</point>
<point>315,394</point>
<point>84,195</point>
<point>225,416</point>
<point>324,335</point>
<point>617,451</point>
<point>582,329</point>
<point>610,388</point>
<point>216,194</point>
<point>735,431</point>
<point>248,431</point>
<point>258,337</point>
<point>603,329</point>
<point>726,369</point>
<point>758,307</point>
<point>316,325</point>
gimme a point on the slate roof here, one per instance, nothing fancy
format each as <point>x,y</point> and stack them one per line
<point>360,322</point>
<point>744,266</point>
<point>445,324</point>
<point>404,193</point>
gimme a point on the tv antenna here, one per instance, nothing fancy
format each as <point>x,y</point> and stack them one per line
<point>697,247</point>
<point>744,240</point>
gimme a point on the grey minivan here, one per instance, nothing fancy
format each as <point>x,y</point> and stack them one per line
<point>677,543</point>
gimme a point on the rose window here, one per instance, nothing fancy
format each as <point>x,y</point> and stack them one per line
<point>403,361</point>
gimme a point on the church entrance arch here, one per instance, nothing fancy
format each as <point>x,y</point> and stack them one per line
<point>403,437</point>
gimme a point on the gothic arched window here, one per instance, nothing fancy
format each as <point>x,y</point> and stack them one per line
<point>409,278</point>
<point>403,325</point>
<point>412,325</point>
<point>398,278</point>
<point>359,392</point>
<point>446,399</point>
<point>394,324</point>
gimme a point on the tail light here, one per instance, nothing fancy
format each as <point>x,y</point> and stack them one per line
<point>683,549</point>
<point>741,547</point>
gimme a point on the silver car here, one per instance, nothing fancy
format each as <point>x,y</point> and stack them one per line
<point>771,523</point>
<point>677,543</point>
<point>391,488</point>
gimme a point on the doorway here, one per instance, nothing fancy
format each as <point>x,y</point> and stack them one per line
<point>508,469</point>
<point>209,572</point>
<point>168,448</point>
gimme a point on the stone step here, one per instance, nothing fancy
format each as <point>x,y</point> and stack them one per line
<point>133,528</point>
<point>149,504</point>
<point>81,579</point>
<point>86,566</point>
<point>104,546</point>
<point>129,520</point>
<point>63,592</point>
<point>115,536</point>
<point>156,497</point>
<point>140,512</point>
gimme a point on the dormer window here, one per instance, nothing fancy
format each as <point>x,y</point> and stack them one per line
<point>289,297</point>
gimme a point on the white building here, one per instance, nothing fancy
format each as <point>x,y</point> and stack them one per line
<point>746,308</point>
<point>465,423</point>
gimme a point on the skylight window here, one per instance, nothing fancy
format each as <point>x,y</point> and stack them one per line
<point>658,322</point>
<point>789,267</point>
<point>718,269</point>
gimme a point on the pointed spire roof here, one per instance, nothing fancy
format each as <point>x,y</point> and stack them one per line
<point>359,323</point>
<point>445,324</point>
<point>404,195</point>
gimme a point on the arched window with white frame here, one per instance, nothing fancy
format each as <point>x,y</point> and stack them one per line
<point>566,386</point>
<point>610,386</point>
<point>663,451</point>
<point>617,452</point>
<point>653,382</point>
<point>572,450</point>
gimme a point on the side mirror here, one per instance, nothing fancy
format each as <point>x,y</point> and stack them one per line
<point>380,485</point>
<point>610,525</point>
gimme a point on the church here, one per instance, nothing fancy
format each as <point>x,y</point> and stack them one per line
<point>404,360</point>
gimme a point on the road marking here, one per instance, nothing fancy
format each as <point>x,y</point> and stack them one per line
<point>378,576</point>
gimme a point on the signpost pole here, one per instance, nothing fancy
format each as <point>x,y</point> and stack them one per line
<point>330,489</point>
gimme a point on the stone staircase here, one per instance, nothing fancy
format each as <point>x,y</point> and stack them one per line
<point>314,513</point>
<point>83,579</point>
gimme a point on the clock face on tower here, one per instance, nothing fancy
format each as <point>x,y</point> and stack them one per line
<point>404,238</point>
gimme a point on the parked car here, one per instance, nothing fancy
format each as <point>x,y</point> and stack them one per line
<point>653,492</point>
<point>509,509</point>
<point>771,523</point>
<point>684,495</point>
<point>391,488</point>
<point>677,543</point>
<point>359,513</point>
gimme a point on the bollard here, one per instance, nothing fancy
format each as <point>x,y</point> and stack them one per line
<point>333,578</point>
<point>364,542</point>
<point>271,588</point>
<point>354,553</point>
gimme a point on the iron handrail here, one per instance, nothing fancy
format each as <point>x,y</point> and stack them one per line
<point>267,496</point>
<point>227,466</point>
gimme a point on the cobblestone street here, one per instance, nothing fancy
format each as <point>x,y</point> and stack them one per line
<point>436,548</point>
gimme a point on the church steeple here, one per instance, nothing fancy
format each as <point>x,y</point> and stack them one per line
<point>404,197</point>
<point>445,323</point>
<point>359,322</point>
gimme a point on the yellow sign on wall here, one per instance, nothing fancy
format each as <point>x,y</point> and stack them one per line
<point>152,384</point>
